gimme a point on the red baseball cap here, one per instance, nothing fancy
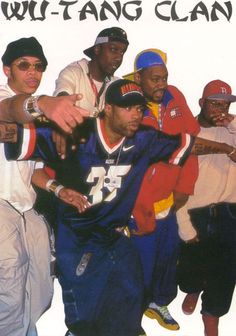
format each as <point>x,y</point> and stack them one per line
<point>218,89</point>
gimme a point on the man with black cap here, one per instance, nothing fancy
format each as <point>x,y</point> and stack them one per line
<point>207,264</point>
<point>98,267</point>
<point>26,286</point>
<point>91,77</point>
<point>25,108</point>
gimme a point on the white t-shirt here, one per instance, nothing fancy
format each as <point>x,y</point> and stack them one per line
<point>216,182</point>
<point>74,78</point>
<point>15,184</point>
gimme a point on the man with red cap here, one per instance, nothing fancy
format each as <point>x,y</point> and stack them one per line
<point>207,264</point>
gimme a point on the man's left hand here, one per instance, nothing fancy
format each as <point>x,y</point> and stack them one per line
<point>75,199</point>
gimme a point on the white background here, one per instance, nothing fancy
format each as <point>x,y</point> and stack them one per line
<point>52,322</point>
<point>197,51</point>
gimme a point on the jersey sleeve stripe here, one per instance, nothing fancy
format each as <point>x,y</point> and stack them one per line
<point>180,154</point>
<point>28,141</point>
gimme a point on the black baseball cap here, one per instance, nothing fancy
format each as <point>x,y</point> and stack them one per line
<point>23,47</point>
<point>124,93</point>
<point>108,35</point>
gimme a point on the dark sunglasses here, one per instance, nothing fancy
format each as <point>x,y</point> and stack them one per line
<point>24,66</point>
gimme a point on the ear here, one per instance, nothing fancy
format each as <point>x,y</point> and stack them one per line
<point>201,101</point>
<point>107,109</point>
<point>137,77</point>
<point>7,71</point>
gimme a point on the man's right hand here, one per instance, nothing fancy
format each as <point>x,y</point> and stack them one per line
<point>63,111</point>
<point>222,119</point>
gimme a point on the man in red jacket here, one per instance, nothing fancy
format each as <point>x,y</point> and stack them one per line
<point>164,189</point>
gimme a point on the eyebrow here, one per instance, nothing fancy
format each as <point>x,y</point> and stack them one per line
<point>26,59</point>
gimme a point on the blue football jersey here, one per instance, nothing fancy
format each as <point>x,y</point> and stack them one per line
<point>109,177</point>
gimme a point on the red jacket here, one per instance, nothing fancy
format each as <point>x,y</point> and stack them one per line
<point>161,179</point>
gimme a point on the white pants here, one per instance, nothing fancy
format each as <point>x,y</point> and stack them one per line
<point>26,287</point>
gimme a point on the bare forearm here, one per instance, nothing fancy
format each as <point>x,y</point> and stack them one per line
<point>11,109</point>
<point>204,146</point>
<point>40,178</point>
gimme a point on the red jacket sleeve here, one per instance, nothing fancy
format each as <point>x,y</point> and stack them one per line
<point>189,172</point>
<point>188,176</point>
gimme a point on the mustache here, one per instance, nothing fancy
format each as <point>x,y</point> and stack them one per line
<point>159,90</point>
<point>33,78</point>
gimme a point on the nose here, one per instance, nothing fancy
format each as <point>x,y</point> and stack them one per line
<point>119,56</point>
<point>32,68</point>
<point>161,84</point>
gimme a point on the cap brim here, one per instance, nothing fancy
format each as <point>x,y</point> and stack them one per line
<point>130,76</point>
<point>89,52</point>
<point>221,96</point>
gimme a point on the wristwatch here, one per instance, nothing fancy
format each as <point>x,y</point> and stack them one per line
<point>30,106</point>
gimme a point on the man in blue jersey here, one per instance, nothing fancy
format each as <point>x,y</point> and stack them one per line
<point>99,268</point>
<point>90,78</point>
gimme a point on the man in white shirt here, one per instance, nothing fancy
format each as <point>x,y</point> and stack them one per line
<point>207,223</point>
<point>91,77</point>
<point>26,285</point>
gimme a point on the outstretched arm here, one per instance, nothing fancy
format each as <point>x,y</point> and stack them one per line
<point>61,110</point>
<point>204,146</point>
<point>200,146</point>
